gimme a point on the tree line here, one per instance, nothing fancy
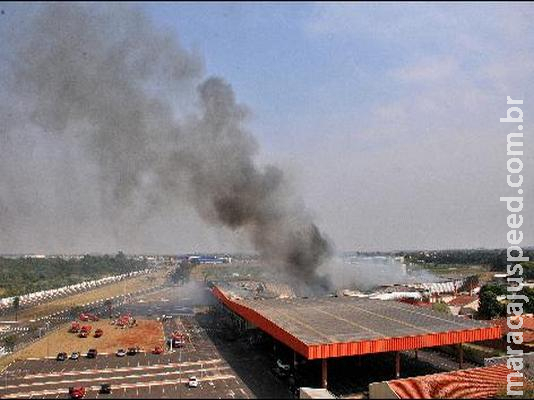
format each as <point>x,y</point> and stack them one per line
<point>496,259</point>
<point>20,276</point>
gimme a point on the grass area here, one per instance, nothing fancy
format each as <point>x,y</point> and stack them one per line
<point>203,272</point>
<point>146,334</point>
<point>448,270</point>
<point>114,289</point>
<point>483,351</point>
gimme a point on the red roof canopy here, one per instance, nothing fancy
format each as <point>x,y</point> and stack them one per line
<point>337,327</point>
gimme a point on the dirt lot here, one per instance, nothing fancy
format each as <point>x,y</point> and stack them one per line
<point>130,285</point>
<point>147,334</point>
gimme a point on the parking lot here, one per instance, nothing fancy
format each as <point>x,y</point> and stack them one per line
<point>223,370</point>
<point>140,375</point>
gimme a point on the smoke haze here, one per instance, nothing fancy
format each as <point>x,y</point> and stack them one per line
<point>108,122</point>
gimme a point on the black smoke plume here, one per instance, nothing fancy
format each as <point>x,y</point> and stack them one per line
<point>111,96</point>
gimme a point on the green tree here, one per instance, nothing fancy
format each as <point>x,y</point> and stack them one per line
<point>490,307</point>
<point>16,306</point>
<point>528,270</point>
<point>10,342</point>
<point>182,272</point>
<point>109,305</point>
<point>441,307</point>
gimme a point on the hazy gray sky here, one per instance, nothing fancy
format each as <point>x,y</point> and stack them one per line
<point>384,117</point>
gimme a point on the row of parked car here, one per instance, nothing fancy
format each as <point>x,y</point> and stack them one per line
<point>92,353</point>
<point>105,388</point>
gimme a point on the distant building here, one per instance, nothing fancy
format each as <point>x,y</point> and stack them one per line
<point>527,329</point>
<point>40,256</point>
<point>202,259</point>
<point>463,304</point>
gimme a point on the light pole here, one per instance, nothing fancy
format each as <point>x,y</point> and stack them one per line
<point>47,339</point>
<point>180,369</point>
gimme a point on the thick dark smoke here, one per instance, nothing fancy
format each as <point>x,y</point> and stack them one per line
<point>106,94</point>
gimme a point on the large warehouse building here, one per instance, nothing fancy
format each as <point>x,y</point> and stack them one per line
<point>322,328</point>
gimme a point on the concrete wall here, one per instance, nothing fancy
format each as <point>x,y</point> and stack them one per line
<point>381,390</point>
<point>313,393</point>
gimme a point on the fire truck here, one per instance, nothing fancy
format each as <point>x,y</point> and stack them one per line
<point>85,330</point>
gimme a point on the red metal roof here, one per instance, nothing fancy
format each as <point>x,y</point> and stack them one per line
<point>462,300</point>
<point>383,342</point>
<point>416,303</point>
<point>468,383</point>
<point>527,328</point>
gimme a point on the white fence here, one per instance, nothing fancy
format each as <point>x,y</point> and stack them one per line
<point>47,295</point>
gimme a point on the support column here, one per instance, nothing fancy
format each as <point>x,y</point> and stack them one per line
<point>324,373</point>
<point>460,356</point>
<point>397,364</point>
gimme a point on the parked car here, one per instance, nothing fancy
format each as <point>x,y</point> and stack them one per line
<point>75,356</point>
<point>158,350</point>
<point>105,388</point>
<point>132,351</point>
<point>193,382</point>
<point>92,353</point>
<point>61,356</point>
<point>120,353</point>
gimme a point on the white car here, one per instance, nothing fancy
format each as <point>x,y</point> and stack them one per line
<point>120,353</point>
<point>193,382</point>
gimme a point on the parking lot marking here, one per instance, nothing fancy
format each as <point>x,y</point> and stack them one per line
<point>113,378</point>
<point>120,369</point>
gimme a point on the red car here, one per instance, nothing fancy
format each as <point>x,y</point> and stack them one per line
<point>77,392</point>
<point>158,350</point>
